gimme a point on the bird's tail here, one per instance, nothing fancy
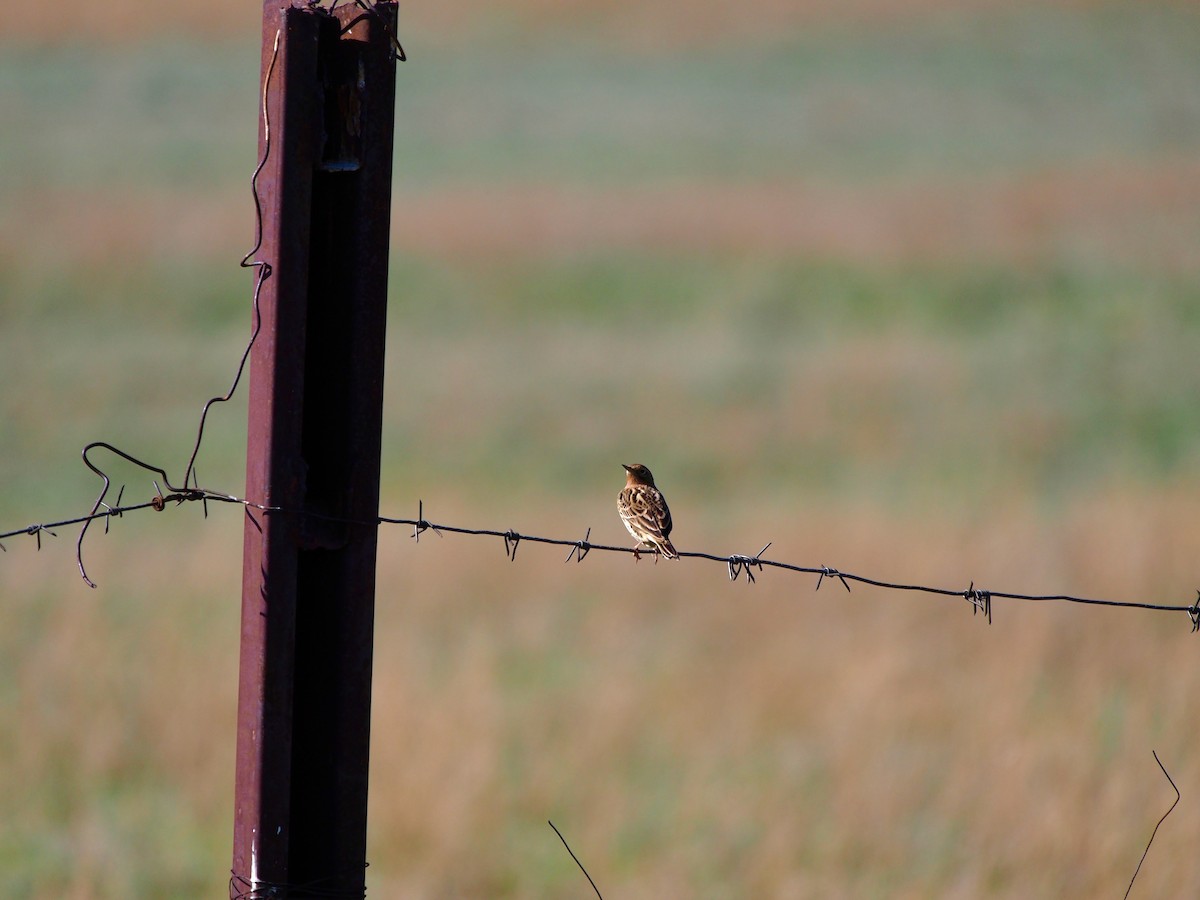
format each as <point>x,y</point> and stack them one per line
<point>667,549</point>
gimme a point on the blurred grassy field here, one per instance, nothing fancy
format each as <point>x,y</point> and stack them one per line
<point>910,290</point>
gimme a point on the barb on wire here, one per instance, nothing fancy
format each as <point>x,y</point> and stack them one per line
<point>981,601</point>
<point>1171,781</point>
<point>511,540</point>
<point>196,486</point>
<point>36,531</point>
<point>738,564</point>
<point>420,525</point>
<point>576,858</point>
<point>159,502</point>
<point>114,512</point>
<point>827,572</point>
<point>580,549</point>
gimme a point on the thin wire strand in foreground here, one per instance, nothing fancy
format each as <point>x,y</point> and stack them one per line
<point>576,858</point>
<point>1160,821</point>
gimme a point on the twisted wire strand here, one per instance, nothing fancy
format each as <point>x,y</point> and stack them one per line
<point>736,564</point>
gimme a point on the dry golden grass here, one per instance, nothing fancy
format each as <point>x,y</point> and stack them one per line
<point>712,739</point>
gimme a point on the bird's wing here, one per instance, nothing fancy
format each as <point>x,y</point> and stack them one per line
<point>646,509</point>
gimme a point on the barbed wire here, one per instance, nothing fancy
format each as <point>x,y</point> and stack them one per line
<point>736,565</point>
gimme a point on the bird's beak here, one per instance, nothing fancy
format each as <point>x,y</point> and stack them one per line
<point>625,467</point>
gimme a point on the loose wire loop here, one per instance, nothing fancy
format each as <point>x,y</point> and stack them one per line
<point>264,267</point>
<point>180,494</point>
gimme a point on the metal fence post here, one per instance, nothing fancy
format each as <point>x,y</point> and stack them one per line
<point>315,396</point>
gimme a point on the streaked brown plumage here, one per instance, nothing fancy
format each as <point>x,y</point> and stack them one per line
<point>644,511</point>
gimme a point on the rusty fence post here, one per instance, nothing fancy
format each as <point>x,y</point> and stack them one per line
<point>315,396</point>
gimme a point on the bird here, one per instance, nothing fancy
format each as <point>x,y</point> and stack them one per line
<point>645,513</point>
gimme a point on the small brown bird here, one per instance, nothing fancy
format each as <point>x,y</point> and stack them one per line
<point>644,511</point>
